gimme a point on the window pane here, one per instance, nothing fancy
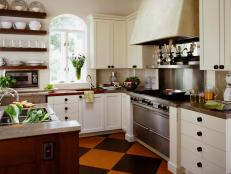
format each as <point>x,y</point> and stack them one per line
<point>58,56</point>
<point>76,46</point>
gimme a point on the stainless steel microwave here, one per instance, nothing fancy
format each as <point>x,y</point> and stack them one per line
<point>24,79</point>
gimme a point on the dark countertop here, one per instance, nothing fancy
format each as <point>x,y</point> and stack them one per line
<point>204,110</point>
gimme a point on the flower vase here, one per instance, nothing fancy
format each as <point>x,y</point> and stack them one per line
<point>78,73</point>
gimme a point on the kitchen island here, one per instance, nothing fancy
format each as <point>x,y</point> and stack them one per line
<point>40,148</point>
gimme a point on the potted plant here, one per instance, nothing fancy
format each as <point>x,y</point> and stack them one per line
<point>6,82</point>
<point>78,62</point>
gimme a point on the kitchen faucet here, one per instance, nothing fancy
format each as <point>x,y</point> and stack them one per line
<point>89,80</point>
<point>9,91</point>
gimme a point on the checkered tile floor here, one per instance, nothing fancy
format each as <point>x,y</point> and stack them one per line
<point>111,154</point>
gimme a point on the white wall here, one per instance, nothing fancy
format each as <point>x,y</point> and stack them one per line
<point>54,8</point>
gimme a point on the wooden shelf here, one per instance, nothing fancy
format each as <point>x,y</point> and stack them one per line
<point>23,32</point>
<point>23,49</point>
<point>22,67</point>
<point>25,14</point>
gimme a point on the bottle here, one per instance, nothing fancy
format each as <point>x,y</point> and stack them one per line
<point>113,78</point>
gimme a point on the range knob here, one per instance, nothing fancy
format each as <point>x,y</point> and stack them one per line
<point>160,106</point>
<point>165,108</point>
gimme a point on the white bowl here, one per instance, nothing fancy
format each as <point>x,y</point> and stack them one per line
<point>18,7</point>
<point>2,6</point>
<point>35,9</point>
<point>19,25</point>
<point>6,24</point>
<point>35,25</point>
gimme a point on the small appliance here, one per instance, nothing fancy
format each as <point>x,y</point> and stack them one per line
<point>227,93</point>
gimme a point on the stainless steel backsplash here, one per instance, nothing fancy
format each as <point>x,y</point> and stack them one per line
<point>183,79</point>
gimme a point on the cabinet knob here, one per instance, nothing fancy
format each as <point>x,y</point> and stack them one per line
<point>66,118</point>
<point>66,99</point>
<point>199,164</point>
<point>112,66</point>
<point>109,66</point>
<point>80,97</point>
<point>216,67</point>
<point>199,149</point>
<point>66,108</point>
<point>221,67</point>
<point>199,133</point>
<point>199,119</point>
<point>134,66</point>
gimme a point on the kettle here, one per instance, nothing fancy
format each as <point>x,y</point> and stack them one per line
<point>227,93</point>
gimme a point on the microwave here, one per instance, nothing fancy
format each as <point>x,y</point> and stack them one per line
<point>24,79</point>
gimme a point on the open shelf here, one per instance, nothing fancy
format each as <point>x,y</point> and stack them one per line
<point>23,32</point>
<point>22,67</point>
<point>25,14</point>
<point>23,49</point>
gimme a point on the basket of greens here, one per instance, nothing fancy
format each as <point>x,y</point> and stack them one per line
<point>131,83</point>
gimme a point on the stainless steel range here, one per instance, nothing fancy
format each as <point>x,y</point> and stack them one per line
<point>151,122</point>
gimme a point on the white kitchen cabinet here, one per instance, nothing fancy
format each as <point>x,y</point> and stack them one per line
<point>215,37</point>
<point>107,47</point>
<point>113,111</point>
<point>205,143</point>
<point>65,107</point>
<point>92,114</point>
<point>139,56</point>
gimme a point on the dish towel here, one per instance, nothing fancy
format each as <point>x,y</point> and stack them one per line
<point>89,96</point>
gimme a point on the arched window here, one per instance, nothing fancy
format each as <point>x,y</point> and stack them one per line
<point>67,38</point>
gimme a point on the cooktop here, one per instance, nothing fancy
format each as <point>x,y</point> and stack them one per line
<point>163,95</point>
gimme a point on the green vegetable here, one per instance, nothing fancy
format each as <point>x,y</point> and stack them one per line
<point>214,105</point>
<point>6,81</point>
<point>13,111</point>
<point>36,115</point>
<point>49,87</point>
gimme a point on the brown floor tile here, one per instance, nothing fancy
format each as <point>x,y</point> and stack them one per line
<point>100,158</point>
<point>120,136</point>
<point>115,172</point>
<point>163,169</point>
<point>90,142</point>
<point>138,149</point>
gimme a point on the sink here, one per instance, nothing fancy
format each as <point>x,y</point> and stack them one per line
<point>5,119</point>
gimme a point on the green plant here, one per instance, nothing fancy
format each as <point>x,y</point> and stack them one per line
<point>131,83</point>
<point>13,111</point>
<point>6,81</point>
<point>78,62</point>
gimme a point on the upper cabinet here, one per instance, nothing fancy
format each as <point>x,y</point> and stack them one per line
<point>215,34</point>
<point>138,56</point>
<point>108,43</point>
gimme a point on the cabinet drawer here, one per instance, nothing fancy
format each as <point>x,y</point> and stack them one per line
<point>208,153</point>
<point>190,162</point>
<point>66,108</point>
<point>204,120</point>
<point>210,137</point>
<point>65,99</point>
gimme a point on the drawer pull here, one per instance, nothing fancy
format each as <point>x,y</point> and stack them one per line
<point>199,119</point>
<point>66,108</point>
<point>199,133</point>
<point>199,164</point>
<point>66,99</point>
<point>80,97</point>
<point>66,118</point>
<point>199,149</point>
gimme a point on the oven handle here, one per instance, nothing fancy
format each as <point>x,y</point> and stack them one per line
<point>142,126</point>
<point>147,108</point>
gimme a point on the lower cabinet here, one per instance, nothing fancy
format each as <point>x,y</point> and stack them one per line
<point>92,114</point>
<point>205,143</point>
<point>113,111</point>
<point>104,114</point>
<point>53,154</point>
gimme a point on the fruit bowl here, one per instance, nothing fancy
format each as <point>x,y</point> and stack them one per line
<point>131,83</point>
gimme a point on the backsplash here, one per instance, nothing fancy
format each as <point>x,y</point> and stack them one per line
<point>103,76</point>
<point>220,82</point>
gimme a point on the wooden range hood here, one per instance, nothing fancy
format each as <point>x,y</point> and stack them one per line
<point>160,20</point>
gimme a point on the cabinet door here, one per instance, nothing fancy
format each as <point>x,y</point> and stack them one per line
<point>92,115</point>
<point>134,52</point>
<point>227,63</point>
<point>210,33</point>
<point>113,111</point>
<point>103,44</point>
<point>120,44</point>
